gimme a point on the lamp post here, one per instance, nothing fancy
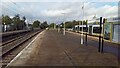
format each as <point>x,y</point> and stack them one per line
<point>58,28</point>
<point>58,25</point>
<point>4,27</point>
<point>64,24</point>
<point>82,24</point>
<point>54,26</point>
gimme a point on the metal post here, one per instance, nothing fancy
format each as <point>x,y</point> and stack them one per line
<point>86,33</point>
<point>64,29</point>
<point>78,29</point>
<point>102,45</point>
<point>100,35</point>
<point>58,27</point>
<point>3,27</point>
<point>104,20</point>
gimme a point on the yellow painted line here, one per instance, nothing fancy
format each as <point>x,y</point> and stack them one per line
<point>94,37</point>
<point>111,41</point>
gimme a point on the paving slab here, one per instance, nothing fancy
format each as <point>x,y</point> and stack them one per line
<point>55,49</point>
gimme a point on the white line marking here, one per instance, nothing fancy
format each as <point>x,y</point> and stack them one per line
<point>25,48</point>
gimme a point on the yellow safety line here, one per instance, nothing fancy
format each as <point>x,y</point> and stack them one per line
<point>96,37</point>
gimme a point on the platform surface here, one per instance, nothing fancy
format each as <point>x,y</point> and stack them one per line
<point>51,48</point>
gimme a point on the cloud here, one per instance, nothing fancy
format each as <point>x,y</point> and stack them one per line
<point>0,8</point>
<point>104,11</point>
<point>58,12</point>
<point>60,0</point>
<point>52,11</point>
<point>74,11</point>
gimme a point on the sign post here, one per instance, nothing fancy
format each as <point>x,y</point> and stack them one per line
<point>104,21</point>
<point>86,33</point>
<point>99,47</point>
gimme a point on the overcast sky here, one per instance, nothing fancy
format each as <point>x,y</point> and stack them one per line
<point>57,11</point>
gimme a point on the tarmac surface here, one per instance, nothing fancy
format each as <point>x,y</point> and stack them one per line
<point>51,48</point>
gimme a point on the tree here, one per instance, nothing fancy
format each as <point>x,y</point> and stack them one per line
<point>6,20</point>
<point>51,25</point>
<point>23,22</point>
<point>69,24</point>
<point>36,24</point>
<point>44,25</point>
<point>24,18</point>
<point>84,22</point>
<point>17,22</point>
<point>29,25</point>
<point>80,22</point>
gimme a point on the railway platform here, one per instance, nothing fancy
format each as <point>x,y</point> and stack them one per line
<point>50,48</point>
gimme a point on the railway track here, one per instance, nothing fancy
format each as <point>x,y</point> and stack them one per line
<point>13,38</point>
<point>8,36</point>
<point>12,48</point>
<point>7,42</point>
